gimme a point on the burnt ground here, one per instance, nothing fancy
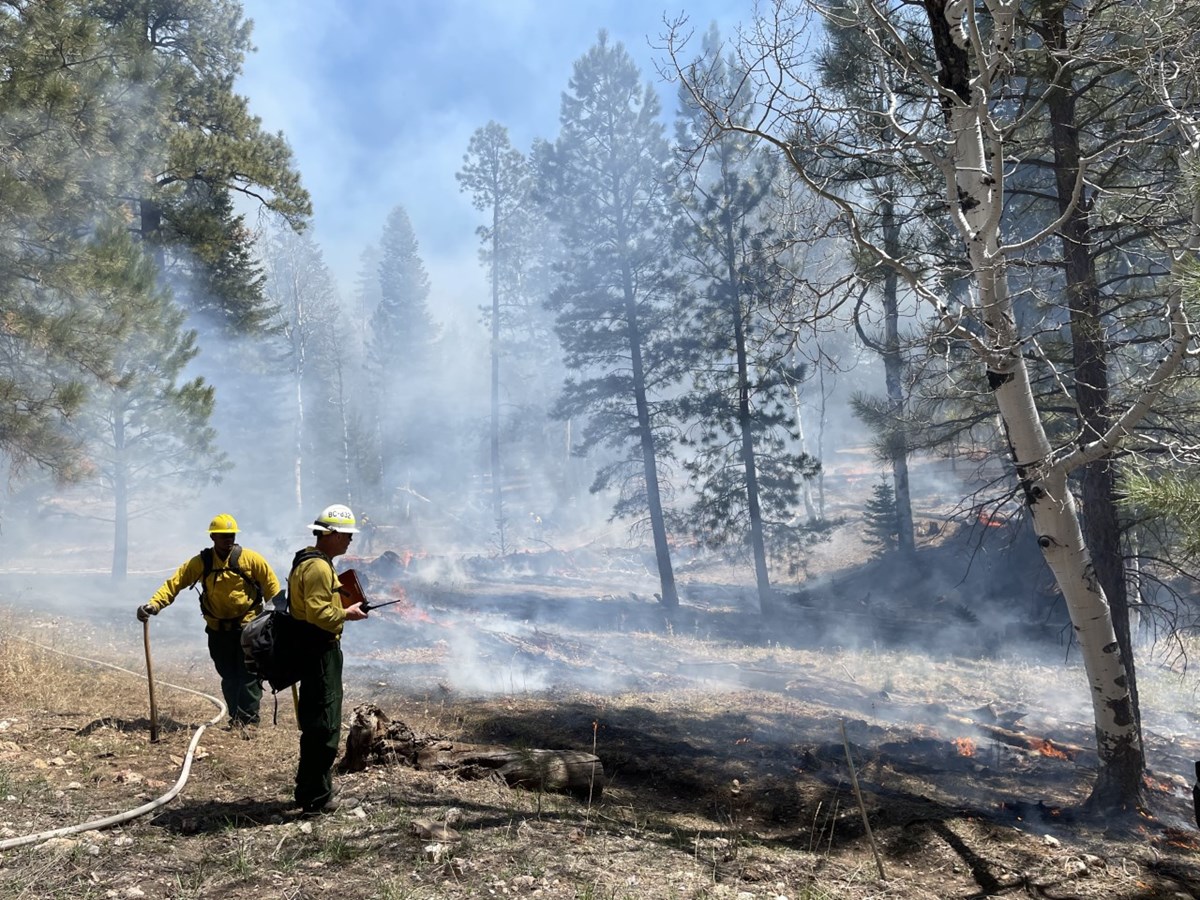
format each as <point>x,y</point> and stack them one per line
<point>723,732</point>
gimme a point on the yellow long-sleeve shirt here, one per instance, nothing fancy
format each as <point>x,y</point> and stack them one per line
<point>313,594</point>
<point>229,598</point>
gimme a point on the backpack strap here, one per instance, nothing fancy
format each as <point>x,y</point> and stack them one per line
<point>255,589</point>
<point>314,632</point>
<point>306,554</point>
<point>303,556</point>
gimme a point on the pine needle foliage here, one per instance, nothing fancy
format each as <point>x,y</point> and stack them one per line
<point>1172,497</point>
<point>880,516</point>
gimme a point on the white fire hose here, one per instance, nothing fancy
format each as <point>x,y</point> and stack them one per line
<point>96,824</point>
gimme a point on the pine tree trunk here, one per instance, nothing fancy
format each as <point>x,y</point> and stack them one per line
<point>120,558</point>
<point>758,544</point>
<point>893,369</point>
<point>658,526</point>
<point>1089,348</point>
<point>745,419</point>
<point>497,495</point>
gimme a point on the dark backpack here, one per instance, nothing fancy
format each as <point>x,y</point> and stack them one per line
<point>266,646</point>
<point>274,644</point>
<point>253,587</point>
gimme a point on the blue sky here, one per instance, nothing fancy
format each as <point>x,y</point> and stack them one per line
<point>379,98</point>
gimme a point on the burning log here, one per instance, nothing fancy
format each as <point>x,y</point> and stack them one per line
<point>375,738</point>
<point>1044,746</point>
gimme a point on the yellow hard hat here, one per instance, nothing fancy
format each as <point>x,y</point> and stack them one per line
<point>223,524</point>
<point>337,518</point>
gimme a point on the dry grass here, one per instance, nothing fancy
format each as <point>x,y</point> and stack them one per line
<point>727,779</point>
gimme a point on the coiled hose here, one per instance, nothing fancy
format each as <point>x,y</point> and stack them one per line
<point>118,818</point>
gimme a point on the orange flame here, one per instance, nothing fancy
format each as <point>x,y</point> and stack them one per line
<point>404,609</point>
<point>1047,749</point>
<point>1155,785</point>
<point>965,746</point>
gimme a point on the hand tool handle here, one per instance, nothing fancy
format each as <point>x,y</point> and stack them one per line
<point>150,680</point>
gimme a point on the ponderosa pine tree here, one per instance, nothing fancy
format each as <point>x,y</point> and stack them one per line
<point>180,59</point>
<point>518,250</point>
<point>400,353</point>
<point>536,441</point>
<point>740,411</point>
<point>63,152</point>
<point>197,153</point>
<point>607,186</point>
<point>899,209</point>
<point>201,152</point>
<point>147,433</point>
<point>107,112</point>
<point>301,288</point>
<point>364,303</point>
<point>497,177</point>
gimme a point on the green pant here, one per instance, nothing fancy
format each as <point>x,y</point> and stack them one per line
<point>241,690</point>
<point>319,715</point>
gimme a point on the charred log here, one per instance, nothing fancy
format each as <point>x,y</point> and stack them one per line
<point>375,739</point>
<point>571,772</point>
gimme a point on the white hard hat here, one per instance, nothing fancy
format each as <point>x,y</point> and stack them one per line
<point>337,518</point>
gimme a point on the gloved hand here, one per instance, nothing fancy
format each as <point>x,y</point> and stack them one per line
<point>145,612</point>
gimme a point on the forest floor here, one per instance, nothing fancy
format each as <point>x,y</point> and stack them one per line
<point>730,743</point>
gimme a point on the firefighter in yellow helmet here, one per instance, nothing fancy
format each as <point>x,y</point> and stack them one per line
<point>316,605</point>
<point>234,582</point>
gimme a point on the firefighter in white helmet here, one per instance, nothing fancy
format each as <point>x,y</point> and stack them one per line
<point>233,582</point>
<point>316,605</point>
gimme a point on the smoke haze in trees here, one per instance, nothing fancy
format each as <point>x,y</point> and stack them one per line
<point>337,402</point>
<point>379,100</point>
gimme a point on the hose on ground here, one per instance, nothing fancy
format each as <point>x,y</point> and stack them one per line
<point>118,818</point>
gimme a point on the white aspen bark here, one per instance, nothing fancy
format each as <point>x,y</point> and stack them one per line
<point>806,492</point>
<point>977,187</point>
